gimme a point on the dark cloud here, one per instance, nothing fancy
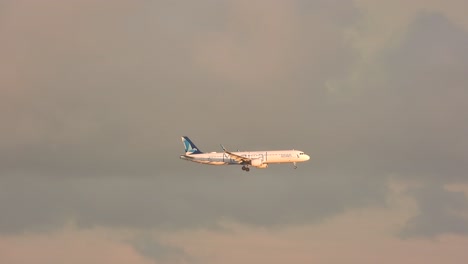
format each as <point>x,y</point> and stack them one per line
<point>151,248</point>
<point>440,211</point>
<point>410,120</point>
<point>420,117</point>
<point>416,128</point>
<point>187,199</point>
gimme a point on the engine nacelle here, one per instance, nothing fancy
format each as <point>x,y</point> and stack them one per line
<point>263,166</point>
<point>257,163</point>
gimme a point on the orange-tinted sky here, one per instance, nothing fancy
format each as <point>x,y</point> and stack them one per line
<point>95,96</point>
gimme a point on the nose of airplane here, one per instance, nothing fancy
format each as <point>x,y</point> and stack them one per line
<point>306,157</point>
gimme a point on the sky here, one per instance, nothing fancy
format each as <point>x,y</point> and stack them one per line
<point>96,94</point>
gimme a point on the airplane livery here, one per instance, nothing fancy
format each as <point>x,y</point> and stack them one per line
<point>257,159</point>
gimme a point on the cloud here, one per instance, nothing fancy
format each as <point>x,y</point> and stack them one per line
<point>420,111</point>
<point>149,247</point>
<point>402,112</point>
<point>418,124</point>
<point>174,202</point>
<point>440,212</point>
<point>69,245</point>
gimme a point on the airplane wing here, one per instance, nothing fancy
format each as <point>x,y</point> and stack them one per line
<point>236,157</point>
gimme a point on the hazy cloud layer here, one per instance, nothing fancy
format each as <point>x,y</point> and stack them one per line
<point>150,248</point>
<point>440,211</point>
<point>417,126</point>
<point>95,98</point>
<point>176,201</point>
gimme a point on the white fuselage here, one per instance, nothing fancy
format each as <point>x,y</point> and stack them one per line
<point>259,159</point>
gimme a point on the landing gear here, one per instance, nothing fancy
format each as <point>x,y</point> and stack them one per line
<point>245,168</point>
<point>295,166</point>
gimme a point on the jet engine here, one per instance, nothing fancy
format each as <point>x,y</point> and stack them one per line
<point>256,162</point>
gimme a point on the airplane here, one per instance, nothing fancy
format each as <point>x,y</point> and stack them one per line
<point>257,159</point>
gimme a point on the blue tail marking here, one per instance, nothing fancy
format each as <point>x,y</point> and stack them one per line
<point>190,148</point>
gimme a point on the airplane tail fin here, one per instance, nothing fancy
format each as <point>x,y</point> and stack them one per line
<point>190,148</point>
